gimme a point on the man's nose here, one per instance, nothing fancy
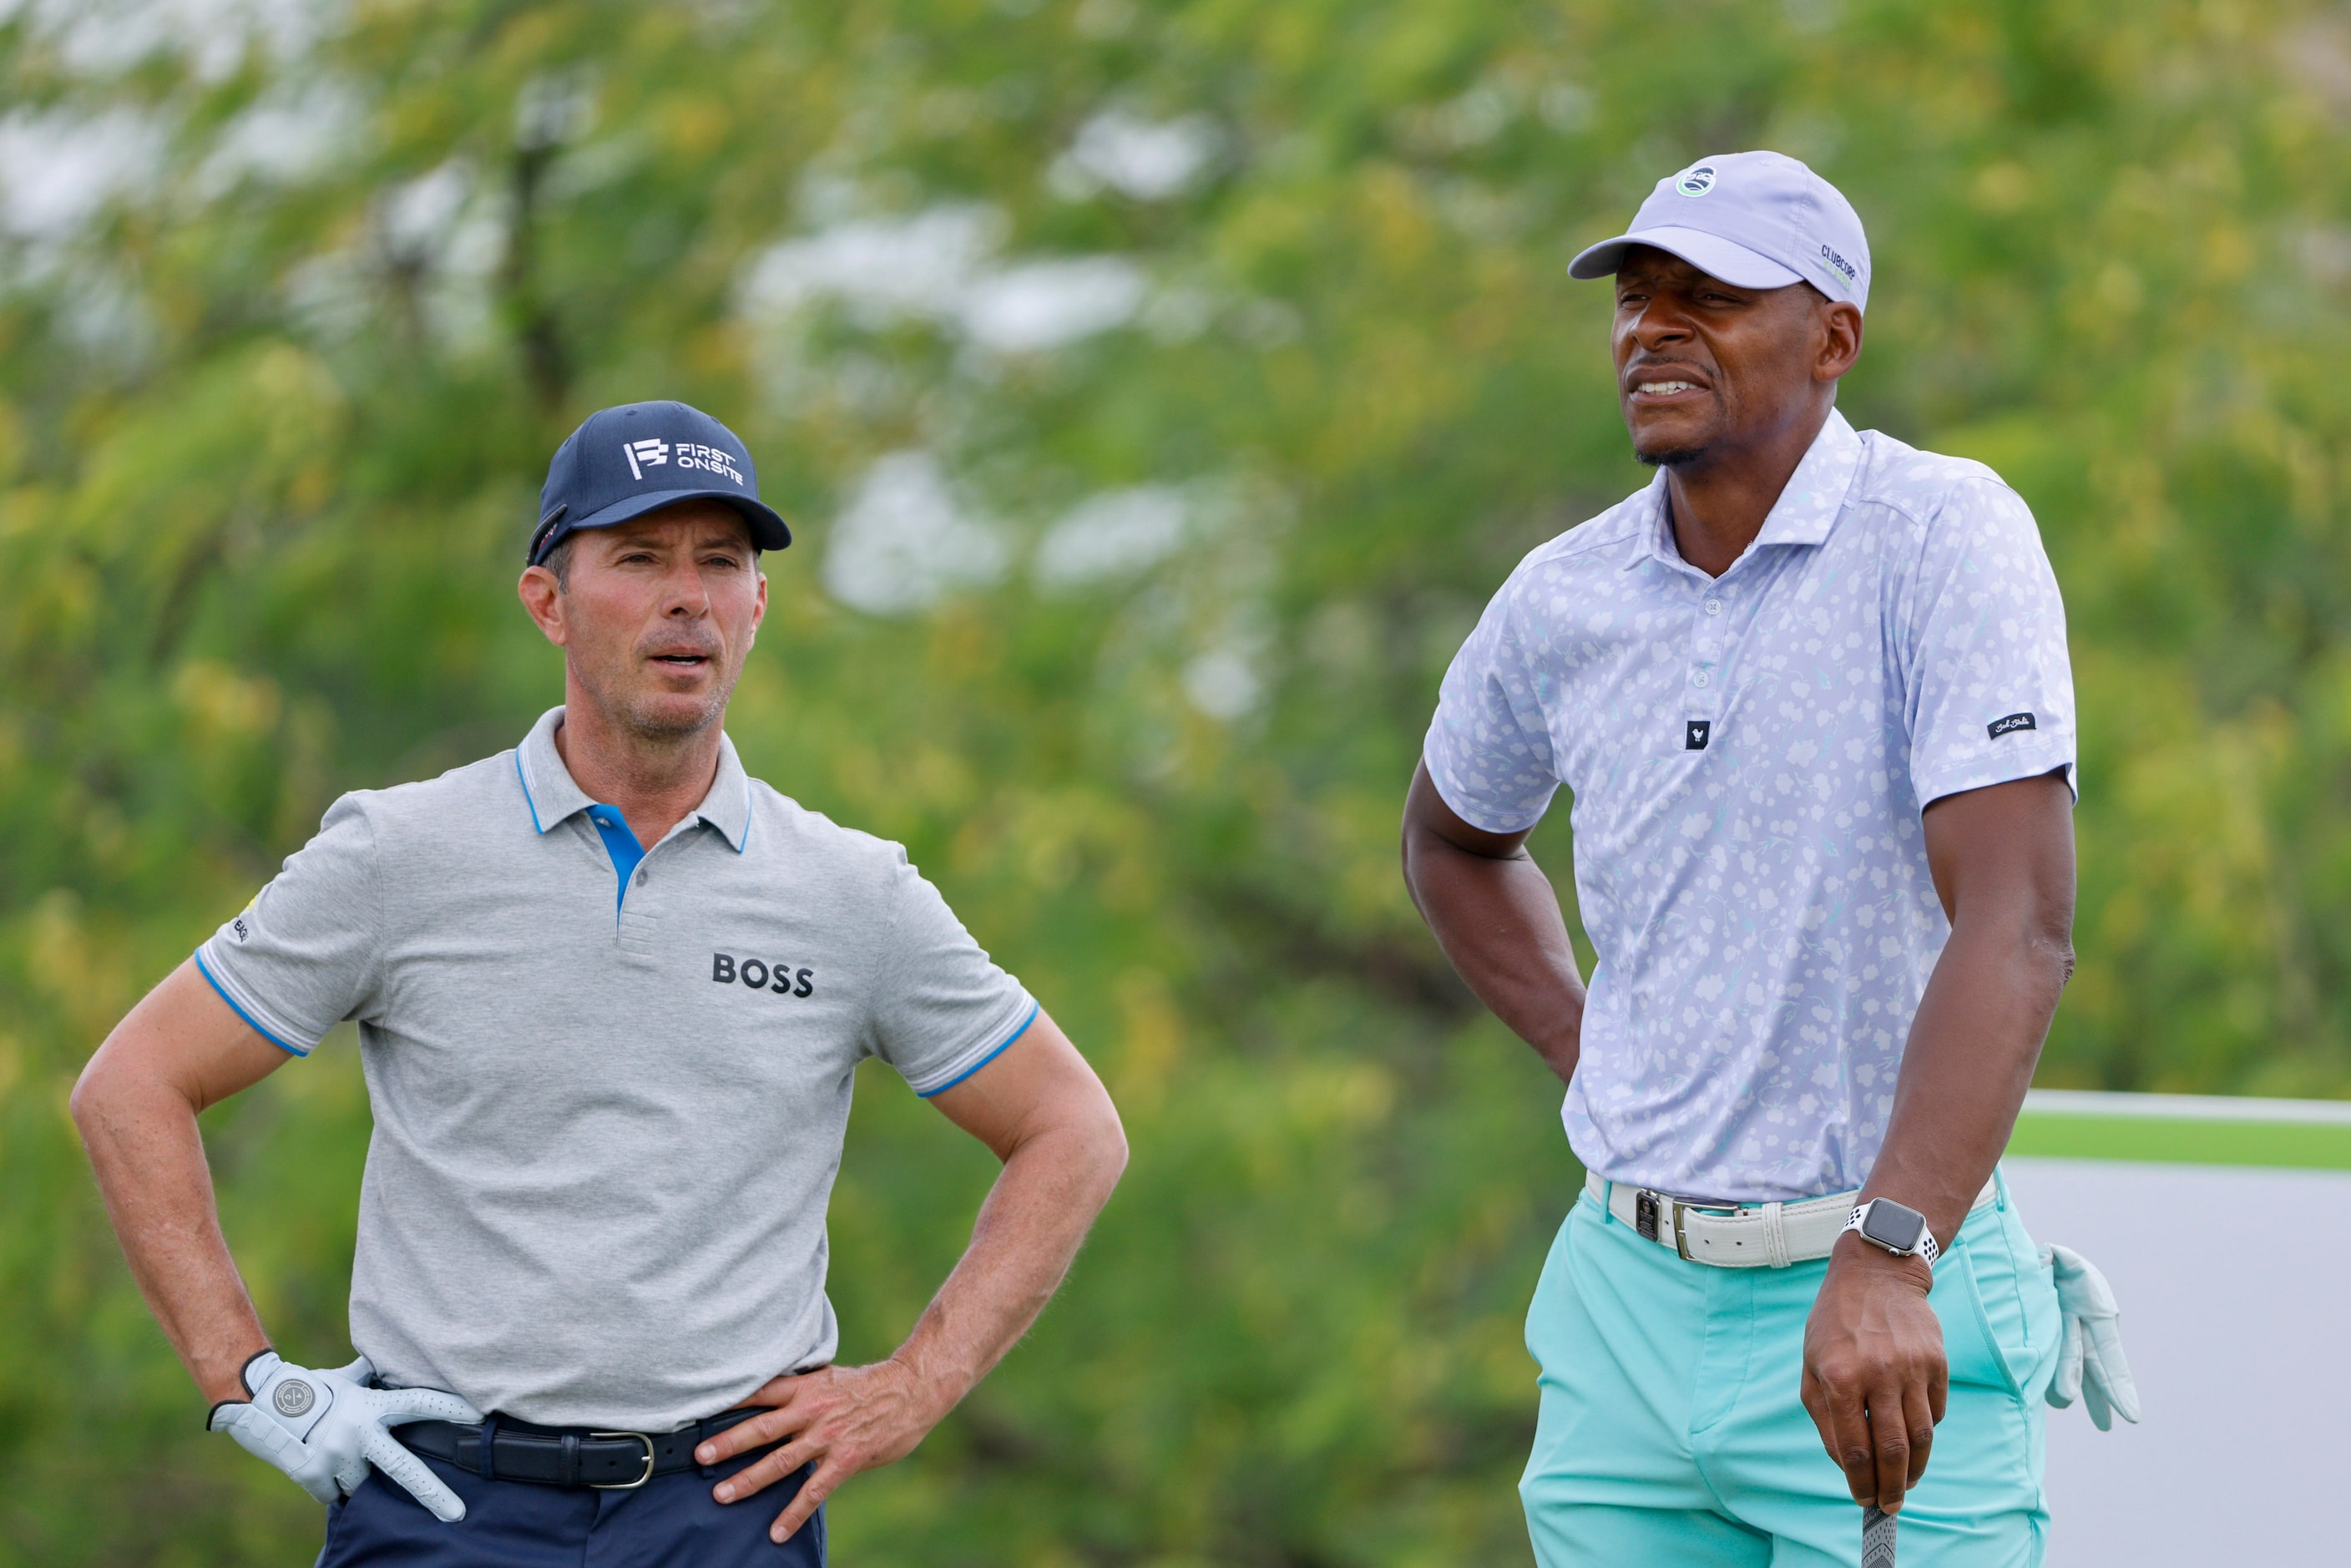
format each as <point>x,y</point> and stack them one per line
<point>1661,321</point>
<point>683,593</point>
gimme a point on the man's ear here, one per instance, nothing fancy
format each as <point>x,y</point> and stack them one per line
<point>543,597</point>
<point>1840,340</point>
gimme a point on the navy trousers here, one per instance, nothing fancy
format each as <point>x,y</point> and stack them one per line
<point>671,1521</point>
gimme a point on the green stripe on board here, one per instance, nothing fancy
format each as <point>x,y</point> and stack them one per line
<point>2199,1132</point>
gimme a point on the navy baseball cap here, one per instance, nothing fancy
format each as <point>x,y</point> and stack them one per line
<point>1759,220</point>
<point>624,462</point>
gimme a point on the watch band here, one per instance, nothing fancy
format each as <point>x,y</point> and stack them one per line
<point>1898,1218</point>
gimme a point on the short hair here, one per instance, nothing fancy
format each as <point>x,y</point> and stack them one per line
<point>559,562</point>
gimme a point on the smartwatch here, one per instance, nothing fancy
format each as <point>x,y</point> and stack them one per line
<point>1897,1227</point>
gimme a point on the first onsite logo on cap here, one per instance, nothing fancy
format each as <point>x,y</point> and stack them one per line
<point>654,453</point>
<point>649,454</point>
<point>1697,182</point>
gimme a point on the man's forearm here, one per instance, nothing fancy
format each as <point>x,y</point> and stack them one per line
<point>148,1157</point>
<point>1500,925</point>
<point>1876,1374</point>
<point>1497,918</point>
<point>1036,1215</point>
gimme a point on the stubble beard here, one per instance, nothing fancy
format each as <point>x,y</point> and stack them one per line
<point>657,722</point>
<point>660,722</point>
<point>1675,456</point>
<point>1683,448</point>
<point>662,725</point>
<point>1672,457</point>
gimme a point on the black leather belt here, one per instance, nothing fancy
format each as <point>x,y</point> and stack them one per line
<point>507,1451</point>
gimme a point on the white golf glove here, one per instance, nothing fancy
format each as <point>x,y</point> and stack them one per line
<point>324,1428</point>
<point>2090,1367</point>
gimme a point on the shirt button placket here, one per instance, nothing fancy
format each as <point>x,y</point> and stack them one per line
<point>1706,655</point>
<point>640,912</point>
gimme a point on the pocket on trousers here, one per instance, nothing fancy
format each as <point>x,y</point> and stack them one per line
<point>1988,1324</point>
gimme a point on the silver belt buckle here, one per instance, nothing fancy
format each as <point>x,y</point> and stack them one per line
<point>627,1486</point>
<point>1649,1218</point>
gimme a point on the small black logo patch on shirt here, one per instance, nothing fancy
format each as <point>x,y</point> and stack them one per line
<point>237,926</point>
<point>1696,733</point>
<point>2000,726</point>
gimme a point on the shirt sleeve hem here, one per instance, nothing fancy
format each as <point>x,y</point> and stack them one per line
<point>966,1063</point>
<point>2025,762</point>
<point>1483,821</point>
<point>250,1011</point>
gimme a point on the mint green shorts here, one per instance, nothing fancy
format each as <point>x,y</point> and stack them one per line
<point>1671,1431</point>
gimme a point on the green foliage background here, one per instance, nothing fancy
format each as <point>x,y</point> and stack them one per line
<point>274,407</point>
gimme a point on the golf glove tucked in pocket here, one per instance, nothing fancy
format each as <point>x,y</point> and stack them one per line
<point>325,1429</point>
<point>2090,1367</point>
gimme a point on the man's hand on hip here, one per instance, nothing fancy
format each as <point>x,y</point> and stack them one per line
<point>843,1419</point>
<point>1040,1109</point>
<point>1874,1374</point>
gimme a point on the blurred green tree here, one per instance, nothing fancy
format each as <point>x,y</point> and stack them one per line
<point>1161,387</point>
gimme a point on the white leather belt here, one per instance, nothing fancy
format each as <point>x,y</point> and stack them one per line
<point>1753,1235</point>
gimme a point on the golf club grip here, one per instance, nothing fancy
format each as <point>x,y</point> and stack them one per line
<point>1877,1538</point>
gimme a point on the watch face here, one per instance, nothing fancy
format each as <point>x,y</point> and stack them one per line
<point>1893,1227</point>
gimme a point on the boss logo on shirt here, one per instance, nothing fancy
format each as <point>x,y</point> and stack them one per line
<point>2000,726</point>
<point>1696,733</point>
<point>725,969</point>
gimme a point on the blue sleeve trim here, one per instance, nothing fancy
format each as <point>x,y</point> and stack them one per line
<point>1034,1007</point>
<point>525,792</point>
<point>253,1024</point>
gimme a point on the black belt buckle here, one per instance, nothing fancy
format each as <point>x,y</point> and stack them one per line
<point>1645,1214</point>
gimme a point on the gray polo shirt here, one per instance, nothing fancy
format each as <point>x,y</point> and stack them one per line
<point>610,1092</point>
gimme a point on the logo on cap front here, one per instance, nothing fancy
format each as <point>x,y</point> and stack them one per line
<point>650,454</point>
<point>693,454</point>
<point>1697,182</point>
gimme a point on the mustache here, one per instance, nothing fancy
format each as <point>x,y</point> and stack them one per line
<point>701,644</point>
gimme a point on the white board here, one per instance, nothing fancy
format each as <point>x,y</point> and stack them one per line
<point>2235,1289</point>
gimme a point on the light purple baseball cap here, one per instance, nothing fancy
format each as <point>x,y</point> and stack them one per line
<point>1759,220</point>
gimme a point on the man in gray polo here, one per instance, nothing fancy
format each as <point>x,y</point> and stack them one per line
<point>612,993</point>
<point>1809,689</point>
